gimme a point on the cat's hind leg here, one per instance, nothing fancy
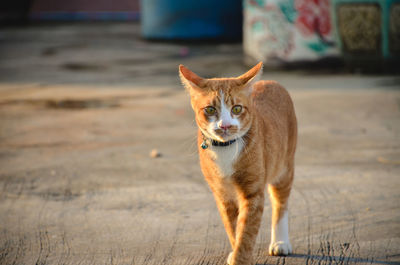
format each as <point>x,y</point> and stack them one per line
<point>279,195</point>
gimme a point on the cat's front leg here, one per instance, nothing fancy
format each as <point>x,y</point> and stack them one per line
<point>248,223</point>
<point>228,210</point>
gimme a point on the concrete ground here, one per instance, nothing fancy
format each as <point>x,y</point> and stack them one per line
<point>82,106</point>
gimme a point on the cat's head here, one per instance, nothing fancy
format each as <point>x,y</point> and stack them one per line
<point>222,105</point>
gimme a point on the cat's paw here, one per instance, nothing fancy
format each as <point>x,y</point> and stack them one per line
<point>229,259</point>
<point>280,248</point>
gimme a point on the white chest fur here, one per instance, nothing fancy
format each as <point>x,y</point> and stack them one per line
<point>225,157</point>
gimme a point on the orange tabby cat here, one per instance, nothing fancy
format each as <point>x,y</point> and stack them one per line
<point>247,139</point>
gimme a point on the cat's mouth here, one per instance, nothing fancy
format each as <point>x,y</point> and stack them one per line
<point>224,135</point>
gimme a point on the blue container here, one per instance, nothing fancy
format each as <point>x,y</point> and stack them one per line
<point>191,19</point>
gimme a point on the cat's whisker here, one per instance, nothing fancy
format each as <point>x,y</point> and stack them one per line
<point>189,145</point>
<point>246,148</point>
<point>237,149</point>
<point>243,143</point>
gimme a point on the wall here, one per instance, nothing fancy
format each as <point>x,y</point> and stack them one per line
<point>279,31</point>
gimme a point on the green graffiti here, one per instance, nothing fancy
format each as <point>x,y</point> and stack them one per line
<point>260,2</point>
<point>318,47</point>
<point>287,8</point>
<point>258,26</point>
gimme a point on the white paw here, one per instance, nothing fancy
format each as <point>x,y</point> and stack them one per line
<point>280,248</point>
<point>229,259</point>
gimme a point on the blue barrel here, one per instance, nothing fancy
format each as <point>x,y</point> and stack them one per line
<point>191,19</point>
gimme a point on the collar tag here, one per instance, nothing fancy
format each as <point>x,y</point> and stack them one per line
<point>204,144</point>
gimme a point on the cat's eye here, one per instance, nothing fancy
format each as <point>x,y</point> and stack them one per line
<point>236,109</point>
<point>210,110</point>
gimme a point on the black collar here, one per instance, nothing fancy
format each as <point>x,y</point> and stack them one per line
<point>216,143</point>
<point>204,144</point>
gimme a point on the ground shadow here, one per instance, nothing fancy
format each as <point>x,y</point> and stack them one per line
<point>329,260</point>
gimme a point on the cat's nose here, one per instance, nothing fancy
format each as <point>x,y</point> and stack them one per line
<point>224,126</point>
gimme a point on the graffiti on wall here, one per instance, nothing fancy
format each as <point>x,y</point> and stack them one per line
<point>288,30</point>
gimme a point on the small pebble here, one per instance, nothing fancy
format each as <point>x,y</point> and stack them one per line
<point>155,153</point>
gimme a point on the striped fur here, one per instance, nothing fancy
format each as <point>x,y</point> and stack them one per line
<point>267,130</point>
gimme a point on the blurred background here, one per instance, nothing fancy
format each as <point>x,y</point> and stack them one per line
<point>355,36</point>
<point>98,157</point>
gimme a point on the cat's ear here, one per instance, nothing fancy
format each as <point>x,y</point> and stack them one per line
<point>190,80</point>
<point>251,76</point>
